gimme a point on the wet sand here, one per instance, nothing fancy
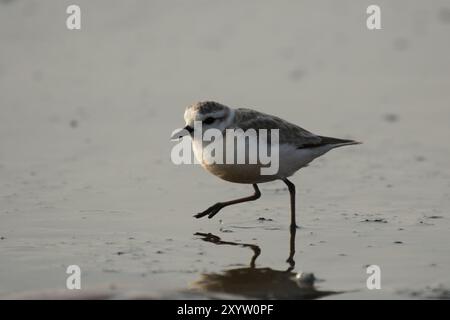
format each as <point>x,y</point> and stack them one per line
<point>85,170</point>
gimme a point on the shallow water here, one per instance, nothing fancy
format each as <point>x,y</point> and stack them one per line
<point>85,170</point>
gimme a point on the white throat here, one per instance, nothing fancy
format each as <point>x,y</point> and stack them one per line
<point>197,139</point>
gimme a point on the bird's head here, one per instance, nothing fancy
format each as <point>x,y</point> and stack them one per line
<point>209,113</point>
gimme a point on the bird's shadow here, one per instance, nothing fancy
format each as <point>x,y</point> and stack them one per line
<point>257,282</point>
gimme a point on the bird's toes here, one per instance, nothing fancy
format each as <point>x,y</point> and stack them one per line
<point>210,212</point>
<point>200,215</point>
<point>211,215</point>
<point>213,212</point>
<point>206,212</point>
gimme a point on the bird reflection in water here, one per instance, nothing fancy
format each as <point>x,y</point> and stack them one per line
<point>259,283</point>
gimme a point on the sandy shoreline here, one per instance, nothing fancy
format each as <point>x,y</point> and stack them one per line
<point>85,120</point>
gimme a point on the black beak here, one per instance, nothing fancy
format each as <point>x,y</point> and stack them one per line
<point>188,130</point>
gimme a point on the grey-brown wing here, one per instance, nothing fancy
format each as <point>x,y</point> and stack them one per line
<point>289,133</point>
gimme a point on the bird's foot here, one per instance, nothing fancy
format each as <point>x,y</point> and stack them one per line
<point>210,212</point>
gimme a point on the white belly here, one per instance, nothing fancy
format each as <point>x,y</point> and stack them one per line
<point>290,160</point>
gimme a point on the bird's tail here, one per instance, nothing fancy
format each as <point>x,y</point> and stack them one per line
<point>335,142</point>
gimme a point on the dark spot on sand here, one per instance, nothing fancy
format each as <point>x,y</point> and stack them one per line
<point>73,124</point>
<point>159,252</point>
<point>435,217</point>
<point>420,158</point>
<point>398,242</point>
<point>2,238</point>
<point>379,220</point>
<point>297,74</point>
<point>264,219</point>
<point>391,117</point>
<point>110,271</point>
<point>401,44</point>
<point>119,253</point>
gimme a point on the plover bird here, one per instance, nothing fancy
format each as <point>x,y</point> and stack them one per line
<point>297,147</point>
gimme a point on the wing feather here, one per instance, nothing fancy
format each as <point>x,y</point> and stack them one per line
<point>289,133</point>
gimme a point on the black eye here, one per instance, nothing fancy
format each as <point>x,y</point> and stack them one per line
<point>209,120</point>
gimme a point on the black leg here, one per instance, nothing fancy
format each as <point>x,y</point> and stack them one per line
<point>293,226</point>
<point>291,188</point>
<point>290,259</point>
<point>213,210</point>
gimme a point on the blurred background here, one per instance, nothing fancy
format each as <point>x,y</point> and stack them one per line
<point>86,116</point>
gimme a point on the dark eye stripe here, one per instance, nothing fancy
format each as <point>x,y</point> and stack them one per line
<point>209,120</point>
